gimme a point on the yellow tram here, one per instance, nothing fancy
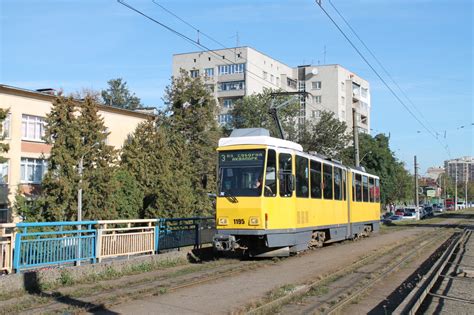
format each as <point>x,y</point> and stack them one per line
<point>273,199</point>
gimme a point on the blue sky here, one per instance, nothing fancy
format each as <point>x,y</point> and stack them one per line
<point>426,45</point>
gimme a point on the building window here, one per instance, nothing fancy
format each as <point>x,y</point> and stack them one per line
<point>6,126</point>
<point>315,114</point>
<point>230,69</point>
<point>228,102</point>
<point>194,73</point>
<point>317,99</point>
<point>277,81</point>
<point>32,127</point>
<point>364,92</point>
<point>4,173</point>
<point>272,78</point>
<point>33,170</point>
<point>209,72</point>
<point>316,85</point>
<point>343,101</point>
<point>343,86</point>
<point>264,75</point>
<point>234,85</point>
<point>225,119</point>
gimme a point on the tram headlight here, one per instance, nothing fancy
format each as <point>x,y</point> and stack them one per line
<point>254,221</point>
<point>222,221</point>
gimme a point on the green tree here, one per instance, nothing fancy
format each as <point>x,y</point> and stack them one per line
<point>190,113</point>
<point>327,136</point>
<point>253,112</point>
<point>4,147</point>
<point>126,199</point>
<point>158,161</point>
<point>75,131</point>
<point>118,95</point>
<point>58,199</point>
<point>98,162</point>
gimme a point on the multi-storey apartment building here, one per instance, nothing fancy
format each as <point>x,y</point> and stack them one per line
<point>236,72</point>
<point>464,167</point>
<point>24,129</point>
<point>233,73</point>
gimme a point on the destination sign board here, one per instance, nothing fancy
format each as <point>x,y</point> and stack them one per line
<point>243,156</point>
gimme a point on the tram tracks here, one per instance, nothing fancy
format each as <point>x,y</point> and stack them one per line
<point>431,293</point>
<point>349,283</point>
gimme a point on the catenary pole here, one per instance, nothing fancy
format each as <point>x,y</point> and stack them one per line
<point>355,131</point>
<point>416,191</point>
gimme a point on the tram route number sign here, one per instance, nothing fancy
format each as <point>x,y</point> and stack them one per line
<point>242,156</point>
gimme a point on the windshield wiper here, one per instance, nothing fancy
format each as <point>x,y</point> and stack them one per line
<point>230,197</point>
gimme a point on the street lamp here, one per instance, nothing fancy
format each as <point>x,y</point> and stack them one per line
<point>370,152</point>
<point>79,201</point>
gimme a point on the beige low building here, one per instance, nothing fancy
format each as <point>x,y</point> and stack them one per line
<point>23,131</point>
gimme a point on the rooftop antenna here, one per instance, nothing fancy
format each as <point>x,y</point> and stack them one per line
<point>198,37</point>
<point>237,40</point>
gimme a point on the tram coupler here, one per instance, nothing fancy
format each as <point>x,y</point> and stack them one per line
<point>224,243</point>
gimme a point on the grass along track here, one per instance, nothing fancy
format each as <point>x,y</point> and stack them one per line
<point>393,255</point>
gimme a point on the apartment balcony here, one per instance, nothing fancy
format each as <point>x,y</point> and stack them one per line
<point>231,93</point>
<point>231,77</point>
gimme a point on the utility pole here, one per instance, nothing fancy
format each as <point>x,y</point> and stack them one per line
<point>355,131</point>
<point>456,186</point>
<point>416,191</point>
<point>79,210</point>
<point>465,183</point>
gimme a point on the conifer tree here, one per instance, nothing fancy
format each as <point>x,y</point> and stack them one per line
<point>158,161</point>
<point>191,112</point>
<point>59,196</point>
<point>119,95</point>
<point>75,131</point>
<point>4,147</point>
<point>98,162</point>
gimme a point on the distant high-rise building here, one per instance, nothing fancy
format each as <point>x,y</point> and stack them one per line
<point>236,72</point>
<point>434,172</point>
<point>464,167</point>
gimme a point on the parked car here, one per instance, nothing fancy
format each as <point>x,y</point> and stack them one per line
<point>409,215</point>
<point>438,208</point>
<point>391,219</point>
<point>400,211</point>
<point>461,205</point>
<point>429,211</point>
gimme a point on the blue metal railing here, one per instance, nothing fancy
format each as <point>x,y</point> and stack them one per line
<point>180,232</point>
<point>41,244</point>
<point>52,243</point>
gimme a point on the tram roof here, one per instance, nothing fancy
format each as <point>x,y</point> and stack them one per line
<point>260,140</point>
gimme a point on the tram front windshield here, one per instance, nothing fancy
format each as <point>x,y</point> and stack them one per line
<point>241,173</point>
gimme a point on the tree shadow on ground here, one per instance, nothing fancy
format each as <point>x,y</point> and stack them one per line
<point>33,287</point>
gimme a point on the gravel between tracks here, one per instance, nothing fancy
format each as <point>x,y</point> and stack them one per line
<point>228,295</point>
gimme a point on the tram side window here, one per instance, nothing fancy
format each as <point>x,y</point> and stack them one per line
<point>358,187</point>
<point>327,181</point>
<point>372,189</point>
<point>377,190</point>
<point>285,174</point>
<point>315,179</point>
<point>270,175</point>
<point>365,184</point>
<point>337,183</point>
<point>302,177</point>
<point>344,183</point>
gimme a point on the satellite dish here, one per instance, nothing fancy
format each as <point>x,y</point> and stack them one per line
<point>314,71</point>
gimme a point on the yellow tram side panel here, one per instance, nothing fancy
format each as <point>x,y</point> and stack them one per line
<point>362,211</point>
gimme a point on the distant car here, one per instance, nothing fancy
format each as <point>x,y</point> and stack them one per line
<point>461,205</point>
<point>400,211</point>
<point>429,211</point>
<point>409,215</point>
<point>391,219</point>
<point>438,208</point>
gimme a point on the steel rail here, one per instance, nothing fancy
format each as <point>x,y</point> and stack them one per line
<point>414,300</point>
<point>303,289</point>
<point>388,270</point>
